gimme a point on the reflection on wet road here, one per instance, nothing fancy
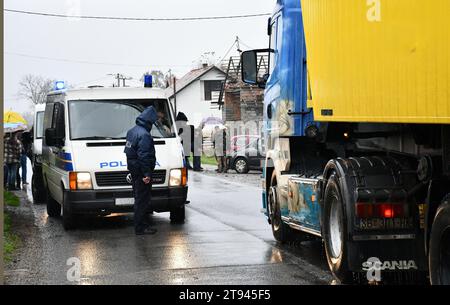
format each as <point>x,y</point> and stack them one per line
<point>225,240</point>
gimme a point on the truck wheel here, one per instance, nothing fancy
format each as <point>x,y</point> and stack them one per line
<point>53,207</point>
<point>68,218</point>
<point>241,166</point>
<point>335,231</point>
<point>37,189</point>
<point>281,231</point>
<point>177,215</point>
<point>439,256</point>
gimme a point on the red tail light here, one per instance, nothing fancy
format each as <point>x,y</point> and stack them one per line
<point>386,211</point>
<point>383,210</point>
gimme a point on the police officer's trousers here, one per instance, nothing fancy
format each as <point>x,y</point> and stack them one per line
<point>142,197</point>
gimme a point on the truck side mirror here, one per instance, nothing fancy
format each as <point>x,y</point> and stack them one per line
<point>249,67</point>
<point>50,137</point>
<point>253,65</point>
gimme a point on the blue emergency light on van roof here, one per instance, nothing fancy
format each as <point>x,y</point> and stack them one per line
<point>148,81</point>
<point>60,85</point>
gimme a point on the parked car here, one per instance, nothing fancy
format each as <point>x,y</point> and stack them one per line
<point>246,153</point>
<point>239,142</point>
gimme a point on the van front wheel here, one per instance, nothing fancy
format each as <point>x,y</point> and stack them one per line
<point>53,207</point>
<point>68,218</point>
<point>178,214</point>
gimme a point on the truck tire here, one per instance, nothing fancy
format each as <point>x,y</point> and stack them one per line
<point>334,231</point>
<point>178,214</point>
<point>37,188</point>
<point>281,231</point>
<point>439,255</point>
<point>68,218</point>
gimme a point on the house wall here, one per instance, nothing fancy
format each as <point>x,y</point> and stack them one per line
<point>191,100</point>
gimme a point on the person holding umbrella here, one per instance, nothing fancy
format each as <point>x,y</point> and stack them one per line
<point>12,152</point>
<point>12,124</point>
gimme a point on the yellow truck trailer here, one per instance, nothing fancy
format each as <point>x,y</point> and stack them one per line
<point>379,60</point>
<point>357,131</point>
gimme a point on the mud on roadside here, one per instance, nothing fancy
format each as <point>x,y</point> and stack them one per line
<point>22,267</point>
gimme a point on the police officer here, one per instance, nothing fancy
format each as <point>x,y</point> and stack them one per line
<point>141,160</point>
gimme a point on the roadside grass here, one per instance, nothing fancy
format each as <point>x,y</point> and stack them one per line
<point>209,160</point>
<point>10,240</point>
<point>11,199</point>
<point>206,160</point>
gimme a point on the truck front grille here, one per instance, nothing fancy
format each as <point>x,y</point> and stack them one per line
<point>111,179</point>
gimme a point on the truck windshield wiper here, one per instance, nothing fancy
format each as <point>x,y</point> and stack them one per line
<point>97,138</point>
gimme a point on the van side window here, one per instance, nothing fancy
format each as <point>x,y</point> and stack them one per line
<point>48,116</point>
<point>58,120</point>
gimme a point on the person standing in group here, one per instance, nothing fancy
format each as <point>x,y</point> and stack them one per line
<point>197,149</point>
<point>12,152</point>
<point>141,160</point>
<point>219,144</point>
<point>185,132</point>
<point>26,140</point>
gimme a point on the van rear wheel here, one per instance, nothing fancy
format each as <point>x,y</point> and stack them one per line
<point>37,188</point>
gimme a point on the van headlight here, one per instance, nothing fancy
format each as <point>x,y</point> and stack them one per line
<point>178,177</point>
<point>80,181</point>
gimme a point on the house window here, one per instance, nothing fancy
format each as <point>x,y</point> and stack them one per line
<point>210,86</point>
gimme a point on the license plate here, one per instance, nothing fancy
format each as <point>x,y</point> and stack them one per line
<point>124,201</point>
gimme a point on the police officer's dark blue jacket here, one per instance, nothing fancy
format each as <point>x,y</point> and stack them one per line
<point>140,149</point>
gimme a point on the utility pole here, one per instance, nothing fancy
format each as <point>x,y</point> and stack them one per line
<point>120,77</point>
<point>175,93</point>
<point>238,45</point>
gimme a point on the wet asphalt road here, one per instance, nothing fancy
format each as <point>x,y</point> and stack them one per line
<point>225,240</point>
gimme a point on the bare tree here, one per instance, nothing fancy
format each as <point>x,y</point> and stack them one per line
<point>35,88</point>
<point>160,80</point>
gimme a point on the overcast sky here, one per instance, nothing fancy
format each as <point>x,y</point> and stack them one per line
<point>134,46</point>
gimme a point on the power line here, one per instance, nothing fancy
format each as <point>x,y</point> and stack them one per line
<point>228,52</point>
<point>90,62</point>
<point>135,18</point>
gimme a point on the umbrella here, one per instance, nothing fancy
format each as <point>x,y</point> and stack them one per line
<point>211,121</point>
<point>13,117</point>
<point>13,127</point>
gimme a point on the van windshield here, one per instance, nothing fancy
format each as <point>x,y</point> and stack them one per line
<point>111,119</point>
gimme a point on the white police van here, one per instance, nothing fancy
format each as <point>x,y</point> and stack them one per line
<point>84,165</point>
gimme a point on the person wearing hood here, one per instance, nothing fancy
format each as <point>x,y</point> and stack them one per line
<point>141,160</point>
<point>186,133</point>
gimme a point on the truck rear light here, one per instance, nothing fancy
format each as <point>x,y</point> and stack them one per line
<point>386,211</point>
<point>383,210</point>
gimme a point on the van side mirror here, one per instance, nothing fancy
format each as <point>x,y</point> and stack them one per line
<point>253,64</point>
<point>50,137</point>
